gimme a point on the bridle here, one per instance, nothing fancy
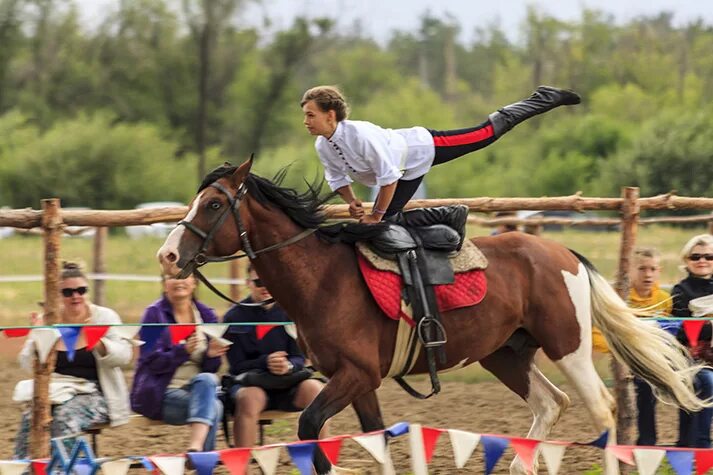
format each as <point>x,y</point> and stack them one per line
<point>200,259</point>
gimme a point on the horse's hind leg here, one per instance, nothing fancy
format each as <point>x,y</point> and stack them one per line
<point>547,403</point>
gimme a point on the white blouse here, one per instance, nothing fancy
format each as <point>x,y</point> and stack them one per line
<point>364,152</point>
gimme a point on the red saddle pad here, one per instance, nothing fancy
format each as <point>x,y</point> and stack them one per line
<point>468,289</point>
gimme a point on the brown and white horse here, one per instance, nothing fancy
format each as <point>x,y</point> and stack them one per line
<point>535,286</point>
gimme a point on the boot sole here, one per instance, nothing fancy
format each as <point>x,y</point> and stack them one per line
<point>569,97</point>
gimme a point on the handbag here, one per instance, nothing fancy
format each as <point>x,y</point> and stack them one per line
<point>266,380</point>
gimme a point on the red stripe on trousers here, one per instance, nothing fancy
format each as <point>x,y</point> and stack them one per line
<point>463,139</point>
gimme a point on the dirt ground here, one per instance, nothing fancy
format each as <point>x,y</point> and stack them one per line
<point>485,408</point>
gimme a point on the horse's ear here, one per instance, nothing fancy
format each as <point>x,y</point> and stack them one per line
<point>241,173</point>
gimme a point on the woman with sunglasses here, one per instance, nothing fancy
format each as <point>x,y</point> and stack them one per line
<point>88,385</point>
<point>396,160</point>
<point>697,257</point>
<point>176,383</point>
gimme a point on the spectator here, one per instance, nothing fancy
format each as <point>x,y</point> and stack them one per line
<point>697,257</point>
<point>177,383</point>
<point>505,228</point>
<point>87,388</point>
<point>276,354</point>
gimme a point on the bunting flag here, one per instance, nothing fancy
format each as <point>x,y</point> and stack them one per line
<point>430,439</point>
<point>180,332</point>
<point>648,460</point>
<point>116,467</point>
<point>44,339</point>
<point>693,330</point>
<point>624,453</point>
<point>150,335</point>
<point>375,444</point>
<point>235,460</point>
<point>9,467</point>
<point>128,333</point>
<point>203,462</point>
<point>418,457</point>
<point>388,467</point>
<point>216,332</point>
<point>301,455</point>
<point>552,454</point>
<point>262,330</point>
<point>331,449</point>
<point>526,450</point>
<point>704,461</point>
<point>170,465</point>
<point>681,461</point>
<point>398,429</point>
<point>493,447</point>
<point>39,467</point>
<point>148,465</point>
<point>463,444</point>
<point>16,332</point>
<point>267,459</point>
<point>600,441</point>
<point>291,330</point>
<point>93,334</point>
<point>69,337</point>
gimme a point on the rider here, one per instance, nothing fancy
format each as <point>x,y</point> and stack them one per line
<point>396,160</point>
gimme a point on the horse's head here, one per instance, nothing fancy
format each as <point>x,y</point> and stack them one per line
<point>213,224</point>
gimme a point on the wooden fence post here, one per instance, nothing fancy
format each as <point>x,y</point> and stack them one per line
<point>622,375</point>
<point>41,414</point>
<point>99,264</point>
<point>710,224</point>
<point>236,272</point>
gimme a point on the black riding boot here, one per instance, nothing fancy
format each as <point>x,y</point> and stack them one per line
<point>544,98</point>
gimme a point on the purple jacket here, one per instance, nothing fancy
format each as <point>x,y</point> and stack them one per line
<point>157,364</point>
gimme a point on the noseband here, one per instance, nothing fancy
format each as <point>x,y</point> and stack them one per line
<point>200,259</point>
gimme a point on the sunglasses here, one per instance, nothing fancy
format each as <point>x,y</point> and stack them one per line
<point>68,292</point>
<point>258,283</point>
<point>698,257</point>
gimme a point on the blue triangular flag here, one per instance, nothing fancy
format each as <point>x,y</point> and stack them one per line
<point>600,441</point>
<point>400,428</point>
<point>493,448</point>
<point>204,462</point>
<point>147,464</point>
<point>681,461</point>
<point>301,455</point>
<point>149,335</point>
<point>69,337</point>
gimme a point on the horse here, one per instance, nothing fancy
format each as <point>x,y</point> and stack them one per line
<point>536,287</point>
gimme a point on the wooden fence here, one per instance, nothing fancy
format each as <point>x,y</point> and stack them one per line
<point>52,219</point>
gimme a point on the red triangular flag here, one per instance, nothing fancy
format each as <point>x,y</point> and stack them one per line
<point>704,461</point>
<point>331,448</point>
<point>180,332</point>
<point>430,438</point>
<point>525,449</point>
<point>39,467</point>
<point>93,334</point>
<point>624,453</point>
<point>693,329</point>
<point>16,332</point>
<point>236,460</point>
<point>262,330</point>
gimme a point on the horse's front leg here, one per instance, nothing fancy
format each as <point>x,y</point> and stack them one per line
<point>346,385</point>
<point>369,412</point>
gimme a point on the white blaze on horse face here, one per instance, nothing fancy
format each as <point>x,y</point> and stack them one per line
<point>174,238</point>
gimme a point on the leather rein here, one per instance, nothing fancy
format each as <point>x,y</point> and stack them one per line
<point>201,259</point>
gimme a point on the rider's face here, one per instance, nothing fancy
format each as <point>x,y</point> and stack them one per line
<point>317,121</point>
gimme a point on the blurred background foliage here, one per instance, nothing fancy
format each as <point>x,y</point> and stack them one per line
<point>139,106</point>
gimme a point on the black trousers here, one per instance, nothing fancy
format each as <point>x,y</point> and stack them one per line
<point>449,144</point>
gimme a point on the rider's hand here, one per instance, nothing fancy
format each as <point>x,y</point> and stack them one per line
<point>370,218</point>
<point>356,210</point>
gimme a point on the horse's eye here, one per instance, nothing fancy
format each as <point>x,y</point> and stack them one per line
<point>214,205</point>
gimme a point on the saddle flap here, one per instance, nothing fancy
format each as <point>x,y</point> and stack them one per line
<point>393,240</point>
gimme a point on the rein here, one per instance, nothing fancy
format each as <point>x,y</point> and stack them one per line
<point>200,259</point>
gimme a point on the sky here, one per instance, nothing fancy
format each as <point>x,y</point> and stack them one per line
<point>378,18</point>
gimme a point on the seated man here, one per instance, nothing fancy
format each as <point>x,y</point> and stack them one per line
<point>277,353</point>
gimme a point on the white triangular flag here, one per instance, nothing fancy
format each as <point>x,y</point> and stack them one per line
<point>171,465</point>
<point>8,467</point>
<point>418,453</point>
<point>375,444</point>
<point>648,460</point>
<point>216,332</point>
<point>463,443</point>
<point>128,333</point>
<point>267,459</point>
<point>44,339</point>
<point>291,330</point>
<point>552,453</point>
<point>116,467</point>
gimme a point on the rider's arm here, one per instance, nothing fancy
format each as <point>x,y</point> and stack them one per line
<point>383,200</point>
<point>347,193</point>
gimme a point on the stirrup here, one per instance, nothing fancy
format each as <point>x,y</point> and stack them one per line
<point>422,329</point>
